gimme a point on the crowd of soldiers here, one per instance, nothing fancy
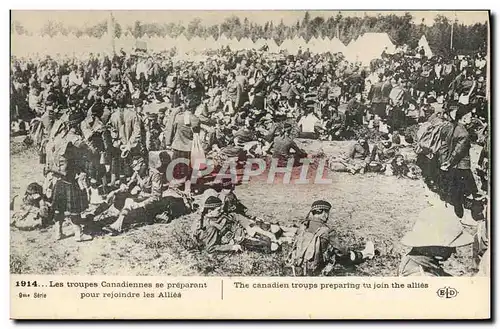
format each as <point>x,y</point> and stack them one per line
<point>106,129</point>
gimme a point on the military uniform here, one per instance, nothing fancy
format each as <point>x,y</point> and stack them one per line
<point>150,190</point>
<point>315,249</point>
<point>216,234</point>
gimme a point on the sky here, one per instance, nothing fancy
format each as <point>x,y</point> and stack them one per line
<point>34,20</point>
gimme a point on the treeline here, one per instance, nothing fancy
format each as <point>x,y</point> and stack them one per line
<point>400,28</point>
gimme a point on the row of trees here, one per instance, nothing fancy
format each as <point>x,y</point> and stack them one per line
<point>401,29</point>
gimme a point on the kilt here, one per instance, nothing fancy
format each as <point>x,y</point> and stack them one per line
<point>68,198</point>
<point>93,166</point>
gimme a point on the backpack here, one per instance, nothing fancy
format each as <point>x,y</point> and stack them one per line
<point>429,138</point>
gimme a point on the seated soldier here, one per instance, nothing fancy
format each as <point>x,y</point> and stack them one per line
<point>284,144</point>
<point>310,125</point>
<point>433,241</point>
<point>399,167</point>
<point>314,250</point>
<point>212,231</point>
<point>251,223</point>
<point>34,212</point>
<point>359,157</point>
<point>246,137</point>
<point>115,201</point>
<point>336,124</point>
<point>146,187</point>
<point>381,155</point>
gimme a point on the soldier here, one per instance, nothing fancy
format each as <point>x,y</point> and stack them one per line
<point>147,192</point>
<point>284,143</point>
<point>126,125</point>
<point>179,135</point>
<point>92,128</point>
<point>69,200</point>
<point>211,231</point>
<point>314,250</point>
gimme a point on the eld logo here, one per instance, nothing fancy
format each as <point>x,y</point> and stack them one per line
<point>447,292</point>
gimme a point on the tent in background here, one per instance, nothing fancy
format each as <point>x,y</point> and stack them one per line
<point>211,43</point>
<point>425,45</point>
<point>314,45</point>
<point>247,43</point>
<point>369,46</point>
<point>223,41</point>
<point>273,46</point>
<point>336,46</point>
<point>182,44</point>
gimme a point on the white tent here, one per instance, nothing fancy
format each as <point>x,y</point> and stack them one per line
<point>354,49</point>
<point>19,45</point>
<point>337,46</point>
<point>197,43</point>
<point>246,43</point>
<point>153,43</point>
<point>352,42</point>
<point>369,46</point>
<point>234,44</point>
<point>301,43</point>
<point>273,46</point>
<point>167,43</point>
<point>182,43</point>
<point>284,45</point>
<point>291,46</point>
<point>315,45</point>
<point>223,41</point>
<point>424,44</point>
<point>259,43</point>
<point>211,43</point>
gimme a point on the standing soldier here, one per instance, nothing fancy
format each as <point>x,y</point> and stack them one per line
<point>457,165</point>
<point>92,128</point>
<point>376,97</point>
<point>179,135</point>
<point>127,126</point>
<point>68,199</point>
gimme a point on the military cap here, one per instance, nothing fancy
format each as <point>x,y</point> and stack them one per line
<point>321,205</point>
<point>212,202</point>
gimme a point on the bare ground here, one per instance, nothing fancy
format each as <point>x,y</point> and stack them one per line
<point>367,206</point>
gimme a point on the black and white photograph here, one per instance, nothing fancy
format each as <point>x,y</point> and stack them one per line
<point>250,143</point>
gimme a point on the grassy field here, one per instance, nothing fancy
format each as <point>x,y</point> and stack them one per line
<point>367,206</point>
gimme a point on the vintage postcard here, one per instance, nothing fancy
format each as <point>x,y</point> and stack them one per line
<point>203,164</point>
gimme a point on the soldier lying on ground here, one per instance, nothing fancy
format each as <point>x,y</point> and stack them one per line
<point>220,231</point>
<point>359,157</point>
<point>254,225</point>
